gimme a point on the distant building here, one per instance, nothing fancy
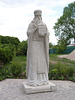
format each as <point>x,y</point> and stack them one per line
<point>73,44</point>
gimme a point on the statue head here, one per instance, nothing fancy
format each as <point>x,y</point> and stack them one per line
<point>37,12</point>
<point>37,16</point>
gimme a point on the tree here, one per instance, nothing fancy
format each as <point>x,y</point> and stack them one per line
<point>61,45</point>
<point>65,26</point>
<point>22,48</point>
<point>9,40</point>
<point>50,45</point>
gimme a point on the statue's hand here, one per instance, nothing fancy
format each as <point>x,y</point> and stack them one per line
<point>35,27</point>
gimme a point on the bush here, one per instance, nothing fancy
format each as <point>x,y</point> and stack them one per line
<point>72,79</point>
<point>22,48</point>
<point>16,69</point>
<point>54,74</point>
<point>11,40</point>
<point>5,55</point>
<point>5,72</point>
<point>1,64</point>
<point>70,71</point>
<point>61,71</point>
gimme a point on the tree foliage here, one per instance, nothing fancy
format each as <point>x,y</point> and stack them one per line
<point>9,40</point>
<point>61,46</point>
<point>8,48</point>
<point>11,46</point>
<point>5,55</point>
<point>65,26</point>
<point>22,48</point>
<point>50,45</point>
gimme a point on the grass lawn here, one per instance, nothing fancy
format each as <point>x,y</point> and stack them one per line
<point>55,58</point>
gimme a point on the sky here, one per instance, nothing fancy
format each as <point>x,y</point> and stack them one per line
<point>15,16</point>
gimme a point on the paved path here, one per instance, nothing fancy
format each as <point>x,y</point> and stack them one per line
<point>11,89</point>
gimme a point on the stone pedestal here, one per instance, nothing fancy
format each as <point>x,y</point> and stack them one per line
<point>44,88</point>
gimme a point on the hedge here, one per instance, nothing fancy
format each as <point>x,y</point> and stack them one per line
<point>5,55</point>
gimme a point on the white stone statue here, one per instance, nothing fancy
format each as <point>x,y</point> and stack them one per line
<point>38,51</point>
<point>37,57</point>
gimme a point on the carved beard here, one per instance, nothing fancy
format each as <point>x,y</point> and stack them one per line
<point>37,20</point>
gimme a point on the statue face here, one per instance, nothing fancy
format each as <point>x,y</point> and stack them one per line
<point>38,17</point>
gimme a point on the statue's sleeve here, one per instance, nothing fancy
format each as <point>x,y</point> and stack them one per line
<point>47,47</point>
<point>31,29</point>
<point>47,35</point>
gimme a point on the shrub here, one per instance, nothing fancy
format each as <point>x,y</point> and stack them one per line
<point>58,71</point>
<point>5,55</point>
<point>54,74</point>
<point>72,79</point>
<point>61,71</point>
<point>16,69</point>
<point>22,48</point>
<point>70,71</point>
<point>11,40</point>
<point>5,72</point>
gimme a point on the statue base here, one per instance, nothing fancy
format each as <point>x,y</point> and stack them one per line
<point>44,88</point>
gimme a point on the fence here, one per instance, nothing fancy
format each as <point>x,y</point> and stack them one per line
<point>67,51</point>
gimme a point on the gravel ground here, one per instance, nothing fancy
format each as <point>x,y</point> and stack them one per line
<point>11,89</point>
<point>70,56</point>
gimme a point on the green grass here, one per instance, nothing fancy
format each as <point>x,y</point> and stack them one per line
<point>55,57</point>
<point>67,62</point>
<point>20,59</point>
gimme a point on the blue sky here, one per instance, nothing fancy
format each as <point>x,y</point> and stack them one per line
<point>15,16</point>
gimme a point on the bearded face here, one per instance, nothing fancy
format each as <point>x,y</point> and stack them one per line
<point>37,19</point>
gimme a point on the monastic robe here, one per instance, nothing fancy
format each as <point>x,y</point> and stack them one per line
<point>37,56</point>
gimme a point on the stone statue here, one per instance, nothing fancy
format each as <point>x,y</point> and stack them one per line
<point>37,57</point>
<point>38,51</point>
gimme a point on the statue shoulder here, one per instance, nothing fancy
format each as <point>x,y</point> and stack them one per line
<point>44,24</point>
<point>31,24</point>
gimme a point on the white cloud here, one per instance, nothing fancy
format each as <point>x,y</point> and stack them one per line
<point>15,15</point>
